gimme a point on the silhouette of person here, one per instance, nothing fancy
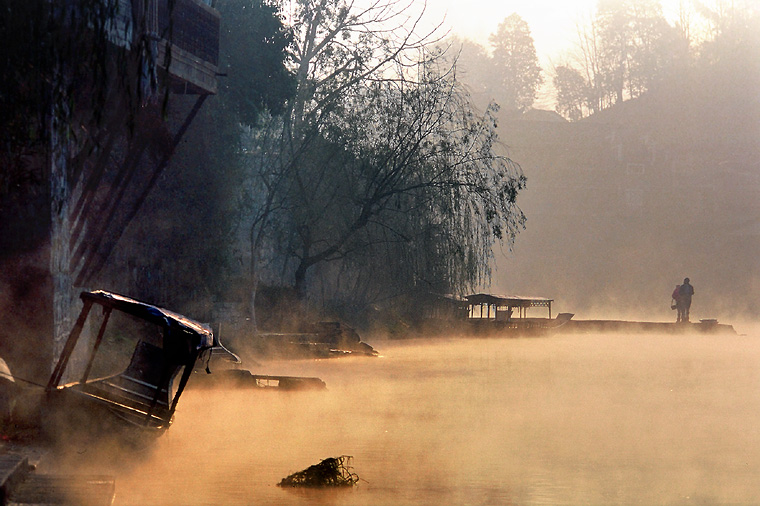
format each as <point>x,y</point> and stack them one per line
<point>674,305</point>
<point>683,302</point>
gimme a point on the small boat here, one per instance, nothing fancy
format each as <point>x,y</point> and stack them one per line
<point>222,368</point>
<point>317,340</point>
<point>142,398</point>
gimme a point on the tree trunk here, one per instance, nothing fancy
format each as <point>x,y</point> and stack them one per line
<point>300,278</point>
<point>252,286</point>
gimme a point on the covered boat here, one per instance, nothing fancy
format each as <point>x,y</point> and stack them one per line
<point>89,391</point>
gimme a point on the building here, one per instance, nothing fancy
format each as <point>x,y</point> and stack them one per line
<point>120,93</point>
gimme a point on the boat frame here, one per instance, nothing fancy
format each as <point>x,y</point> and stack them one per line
<point>141,395</point>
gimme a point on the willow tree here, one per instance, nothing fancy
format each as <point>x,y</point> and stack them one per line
<point>381,158</point>
<point>336,45</point>
<point>428,193</point>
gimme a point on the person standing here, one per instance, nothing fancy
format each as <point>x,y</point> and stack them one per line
<point>684,300</point>
<point>674,305</point>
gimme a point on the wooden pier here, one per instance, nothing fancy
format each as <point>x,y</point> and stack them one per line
<point>20,484</point>
<point>637,327</point>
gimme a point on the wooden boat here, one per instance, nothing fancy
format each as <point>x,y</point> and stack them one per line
<point>245,379</point>
<point>142,398</point>
<point>222,368</point>
<point>317,340</point>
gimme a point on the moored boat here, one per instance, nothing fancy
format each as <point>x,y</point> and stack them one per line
<point>142,398</point>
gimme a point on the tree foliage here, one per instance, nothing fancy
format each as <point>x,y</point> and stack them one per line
<point>732,29</point>
<point>254,44</point>
<point>572,92</point>
<point>515,63</point>
<point>207,170</point>
<point>380,161</point>
<point>628,48</point>
<point>636,45</point>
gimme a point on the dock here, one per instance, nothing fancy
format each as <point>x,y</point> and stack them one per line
<point>20,484</point>
<point>638,327</point>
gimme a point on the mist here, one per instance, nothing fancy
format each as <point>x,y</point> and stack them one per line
<point>622,206</point>
<point>632,190</point>
<point>627,195</point>
<point>589,419</point>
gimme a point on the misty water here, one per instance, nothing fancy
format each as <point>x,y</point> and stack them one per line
<point>576,419</point>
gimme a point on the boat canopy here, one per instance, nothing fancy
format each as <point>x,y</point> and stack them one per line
<point>142,394</point>
<point>153,314</point>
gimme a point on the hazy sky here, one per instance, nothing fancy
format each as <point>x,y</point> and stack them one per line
<point>552,22</point>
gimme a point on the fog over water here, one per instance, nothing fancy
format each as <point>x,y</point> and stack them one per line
<point>580,419</point>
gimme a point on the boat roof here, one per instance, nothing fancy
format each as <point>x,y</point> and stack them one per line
<point>508,300</point>
<point>151,313</point>
<point>451,297</point>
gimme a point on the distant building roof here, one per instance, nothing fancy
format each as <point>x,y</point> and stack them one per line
<point>508,300</point>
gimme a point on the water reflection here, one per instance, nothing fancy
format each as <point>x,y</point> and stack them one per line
<point>561,420</point>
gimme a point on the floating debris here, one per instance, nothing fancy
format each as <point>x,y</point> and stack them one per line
<point>331,472</point>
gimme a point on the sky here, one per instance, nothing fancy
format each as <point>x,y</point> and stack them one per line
<point>552,22</point>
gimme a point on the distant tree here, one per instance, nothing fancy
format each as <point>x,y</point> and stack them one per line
<point>572,92</point>
<point>625,50</point>
<point>637,45</point>
<point>475,68</point>
<point>515,63</point>
<point>685,34</point>
<point>722,16</point>
<point>613,25</point>
<point>732,30</point>
<point>590,65</point>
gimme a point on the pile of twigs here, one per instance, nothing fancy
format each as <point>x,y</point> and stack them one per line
<point>331,472</point>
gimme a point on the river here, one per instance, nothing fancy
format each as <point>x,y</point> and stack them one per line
<point>576,419</point>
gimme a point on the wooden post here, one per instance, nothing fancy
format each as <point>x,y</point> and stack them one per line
<point>97,344</point>
<point>68,348</point>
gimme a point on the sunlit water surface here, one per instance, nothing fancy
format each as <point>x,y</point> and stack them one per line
<point>583,419</point>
